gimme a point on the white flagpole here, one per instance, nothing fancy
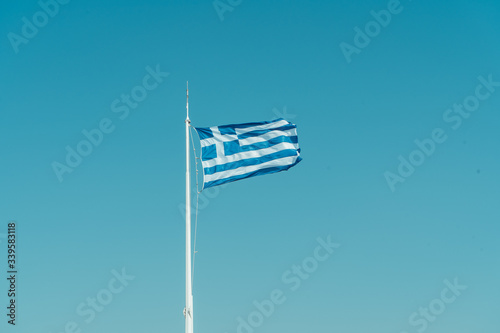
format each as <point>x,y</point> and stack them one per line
<point>188,310</point>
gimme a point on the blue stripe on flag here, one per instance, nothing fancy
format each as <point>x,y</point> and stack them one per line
<point>252,174</point>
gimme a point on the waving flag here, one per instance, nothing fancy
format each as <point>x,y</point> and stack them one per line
<point>234,152</point>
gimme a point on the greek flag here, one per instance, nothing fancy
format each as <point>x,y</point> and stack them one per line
<point>234,152</point>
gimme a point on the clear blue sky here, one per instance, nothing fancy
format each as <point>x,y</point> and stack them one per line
<point>119,207</point>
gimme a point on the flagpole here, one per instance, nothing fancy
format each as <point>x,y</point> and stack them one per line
<point>188,310</point>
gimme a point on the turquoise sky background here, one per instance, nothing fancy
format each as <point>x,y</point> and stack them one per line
<point>120,208</point>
